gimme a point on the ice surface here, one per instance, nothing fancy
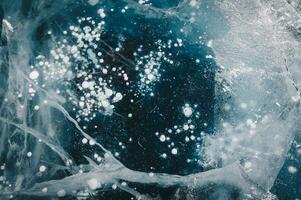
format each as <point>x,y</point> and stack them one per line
<point>257,96</point>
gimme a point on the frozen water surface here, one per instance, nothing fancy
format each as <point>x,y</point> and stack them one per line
<point>150,99</point>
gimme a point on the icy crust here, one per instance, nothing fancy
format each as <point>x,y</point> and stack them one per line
<point>262,116</point>
<point>254,132</point>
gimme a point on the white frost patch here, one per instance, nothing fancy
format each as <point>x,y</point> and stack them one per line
<point>193,3</point>
<point>93,2</point>
<point>248,165</point>
<point>209,44</point>
<point>143,2</point>
<point>44,190</point>
<point>8,25</point>
<point>93,184</point>
<point>61,193</point>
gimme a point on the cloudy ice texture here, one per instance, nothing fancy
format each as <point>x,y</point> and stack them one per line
<point>257,103</point>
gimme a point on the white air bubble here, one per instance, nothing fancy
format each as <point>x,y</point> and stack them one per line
<point>292,169</point>
<point>42,168</point>
<point>61,193</point>
<point>29,154</point>
<point>92,142</point>
<point>84,140</point>
<point>187,110</point>
<point>162,138</point>
<point>174,151</point>
<point>101,13</point>
<point>34,75</point>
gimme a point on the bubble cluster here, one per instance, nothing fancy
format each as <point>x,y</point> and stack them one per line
<point>186,131</point>
<point>151,66</point>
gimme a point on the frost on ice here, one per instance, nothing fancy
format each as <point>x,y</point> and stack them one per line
<point>67,80</point>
